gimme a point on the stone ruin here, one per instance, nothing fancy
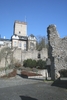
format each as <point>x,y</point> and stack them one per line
<point>57,51</point>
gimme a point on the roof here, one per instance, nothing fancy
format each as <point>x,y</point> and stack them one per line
<point>19,37</point>
<point>2,39</point>
<point>23,37</point>
<point>32,35</point>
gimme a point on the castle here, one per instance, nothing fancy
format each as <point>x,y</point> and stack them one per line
<point>20,39</point>
<point>24,46</point>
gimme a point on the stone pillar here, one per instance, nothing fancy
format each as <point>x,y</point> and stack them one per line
<point>53,39</point>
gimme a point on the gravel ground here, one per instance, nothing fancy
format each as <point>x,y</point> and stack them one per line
<point>27,89</point>
<point>17,81</point>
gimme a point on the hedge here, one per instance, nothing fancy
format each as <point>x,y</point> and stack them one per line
<point>40,64</point>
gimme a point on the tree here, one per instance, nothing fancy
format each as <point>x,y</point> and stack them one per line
<point>41,43</point>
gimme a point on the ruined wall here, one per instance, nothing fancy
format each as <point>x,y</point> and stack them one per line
<point>57,51</point>
<point>3,66</point>
<point>20,55</point>
<point>31,54</point>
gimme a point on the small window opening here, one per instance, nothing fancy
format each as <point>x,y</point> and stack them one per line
<point>19,32</point>
<point>39,55</point>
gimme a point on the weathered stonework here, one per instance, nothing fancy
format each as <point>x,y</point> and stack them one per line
<point>32,54</point>
<point>19,55</point>
<point>57,51</point>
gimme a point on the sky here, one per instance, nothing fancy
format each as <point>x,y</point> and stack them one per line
<point>38,14</point>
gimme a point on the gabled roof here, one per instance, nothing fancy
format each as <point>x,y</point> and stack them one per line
<point>19,37</point>
<point>32,35</point>
<point>23,37</point>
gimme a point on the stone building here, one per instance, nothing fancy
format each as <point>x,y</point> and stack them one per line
<point>5,42</point>
<point>20,39</point>
<point>57,51</point>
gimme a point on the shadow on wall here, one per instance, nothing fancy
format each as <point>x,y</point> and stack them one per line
<point>60,83</point>
<point>27,98</point>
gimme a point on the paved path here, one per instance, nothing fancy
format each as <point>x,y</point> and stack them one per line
<point>17,81</point>
<point>27,89</point>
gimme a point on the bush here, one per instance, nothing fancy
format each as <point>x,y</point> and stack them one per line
<point>26,63</point>
<point>63,72</point>
<point>33,63</point>
<point>41,64</point>
<point>29,63</point>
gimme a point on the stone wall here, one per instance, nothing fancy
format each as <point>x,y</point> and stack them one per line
<point>19,55</point>
<point>31,54</point>
<point>57,51</point>
<point>2,63</point>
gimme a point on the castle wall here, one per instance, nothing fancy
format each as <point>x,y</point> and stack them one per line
<point>31,54</point>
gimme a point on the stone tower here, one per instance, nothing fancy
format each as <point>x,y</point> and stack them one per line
<point>19,38</point>
<point>20,28</point>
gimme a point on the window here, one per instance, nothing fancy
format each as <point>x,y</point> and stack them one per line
<point>24,46</point>
<point>32,44</point>
<point>19,32</point>
<point>20,45</point>
<point>15,43</point>
<point>39,55</point>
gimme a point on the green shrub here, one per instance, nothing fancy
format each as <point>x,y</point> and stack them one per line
<point>41,64</point>
<point>63,72</point>
<point>33,63</point>
<point>29,63</point>
<point>25,63</point>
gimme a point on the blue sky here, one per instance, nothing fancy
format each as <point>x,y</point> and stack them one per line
<point>39,14</point>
